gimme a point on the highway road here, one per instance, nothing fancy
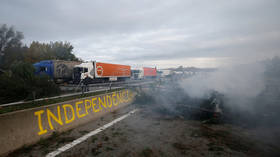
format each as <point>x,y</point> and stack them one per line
<point>146,131</point>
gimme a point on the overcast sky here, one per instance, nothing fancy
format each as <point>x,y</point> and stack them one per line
<point>162,33</point>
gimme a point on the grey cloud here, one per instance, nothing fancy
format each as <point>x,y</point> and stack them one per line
<point>138,31</point>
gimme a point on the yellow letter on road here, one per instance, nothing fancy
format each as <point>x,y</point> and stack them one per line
<point>65,113</point>
<point>57,119</point>
<point>39,113</point>
<point>78,109</point>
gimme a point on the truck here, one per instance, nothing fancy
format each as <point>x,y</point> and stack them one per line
<point>166,73</point>
<point>144,73</point>
<point>58,70</point>
<point>97,72</point>
<point>150,72</point>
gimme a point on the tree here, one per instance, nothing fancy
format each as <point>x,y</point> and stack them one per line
<point>37,52</point>
<point>63,50</point>
<point>50,51</point>
<point>9,38</point>
<point>21,83</point>
<point>10,46</point>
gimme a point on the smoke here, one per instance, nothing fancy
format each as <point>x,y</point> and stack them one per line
<point>251,92</point>
<point>241,84</point>
<point>248,94</point>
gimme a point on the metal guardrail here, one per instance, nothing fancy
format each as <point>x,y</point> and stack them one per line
<point>74,94</point>
<point>55,97</point>
<point>105,84</point>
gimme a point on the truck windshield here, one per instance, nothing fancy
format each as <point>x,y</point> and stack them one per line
<point>43,69</point>
<point>80,70</point>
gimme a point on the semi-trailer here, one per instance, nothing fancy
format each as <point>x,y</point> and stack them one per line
<point>95,72</point>
<point>144,73</point>
<point>150,72</point>
<point>58,70</point>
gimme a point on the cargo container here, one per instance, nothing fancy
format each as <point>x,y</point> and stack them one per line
<point>150,72</point>
<point>58,70</point>
<point>111,70</point>
<point>143,73</point>
<point>101,72</point>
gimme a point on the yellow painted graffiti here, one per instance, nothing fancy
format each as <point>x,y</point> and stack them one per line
<point>115,103</point>
<point>103,103</point>
<point>80,109</point>
<point>94,104</point>
<point>57,119</point>
<point>38,114</point>
<point>65,113</point>
<point>109,99</point>
<point>87,105</point>
<point>119,98</point>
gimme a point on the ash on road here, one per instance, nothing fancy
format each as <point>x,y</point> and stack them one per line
<point>149,133</point>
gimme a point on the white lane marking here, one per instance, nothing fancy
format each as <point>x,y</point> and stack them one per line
<point>86,136</point>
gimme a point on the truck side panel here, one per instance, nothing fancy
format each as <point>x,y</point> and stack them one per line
<point>105,70</point>
<point>63,69</point>
<point>150,72</point>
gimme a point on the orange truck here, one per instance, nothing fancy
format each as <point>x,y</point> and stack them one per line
<point>101,72</point>
<point>111,70</point>
<point>144,73</point>
<point>150,72</point>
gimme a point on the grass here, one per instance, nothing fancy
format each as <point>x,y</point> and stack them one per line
<point>196,133</point>
<point>181,147</point>
<point>83,132</point>
<point>94,139</point>
<point>212,146</point>
<point>25,150</point>
<point>147,152</point>
<point>48,102</point>
<point>109,148</point>
<point>117,133</point>
<point>105,138</point>
<point>43,144</point>
<point>221,138</point>
<point>95,151</point>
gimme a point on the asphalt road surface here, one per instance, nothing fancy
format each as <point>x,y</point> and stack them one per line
<point>149,133</point>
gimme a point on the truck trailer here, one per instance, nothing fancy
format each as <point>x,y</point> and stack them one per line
<point>97,72</point>
<point>58,70</point>
<point>150,72</point>
<point>144,73</point>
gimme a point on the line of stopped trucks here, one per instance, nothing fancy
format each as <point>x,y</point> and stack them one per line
<point>92,72</point>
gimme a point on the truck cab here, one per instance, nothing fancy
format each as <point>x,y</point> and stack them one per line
<point>137,74</point>
<point>44,68</point>
<point>82,71</point>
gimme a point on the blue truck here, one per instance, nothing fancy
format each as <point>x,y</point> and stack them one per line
<point>58,70</point>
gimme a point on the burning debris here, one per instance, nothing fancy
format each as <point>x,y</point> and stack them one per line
<point>209,109</point>
<point>245,95</point>
<point>175,102</point>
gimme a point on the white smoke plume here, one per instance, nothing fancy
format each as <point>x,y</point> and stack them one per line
<point>241,84</point>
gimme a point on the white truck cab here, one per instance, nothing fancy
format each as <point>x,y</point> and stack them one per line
<point>83,70</point>
<point>137,74</point>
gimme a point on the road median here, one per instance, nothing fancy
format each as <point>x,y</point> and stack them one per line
<point>28,126</point>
